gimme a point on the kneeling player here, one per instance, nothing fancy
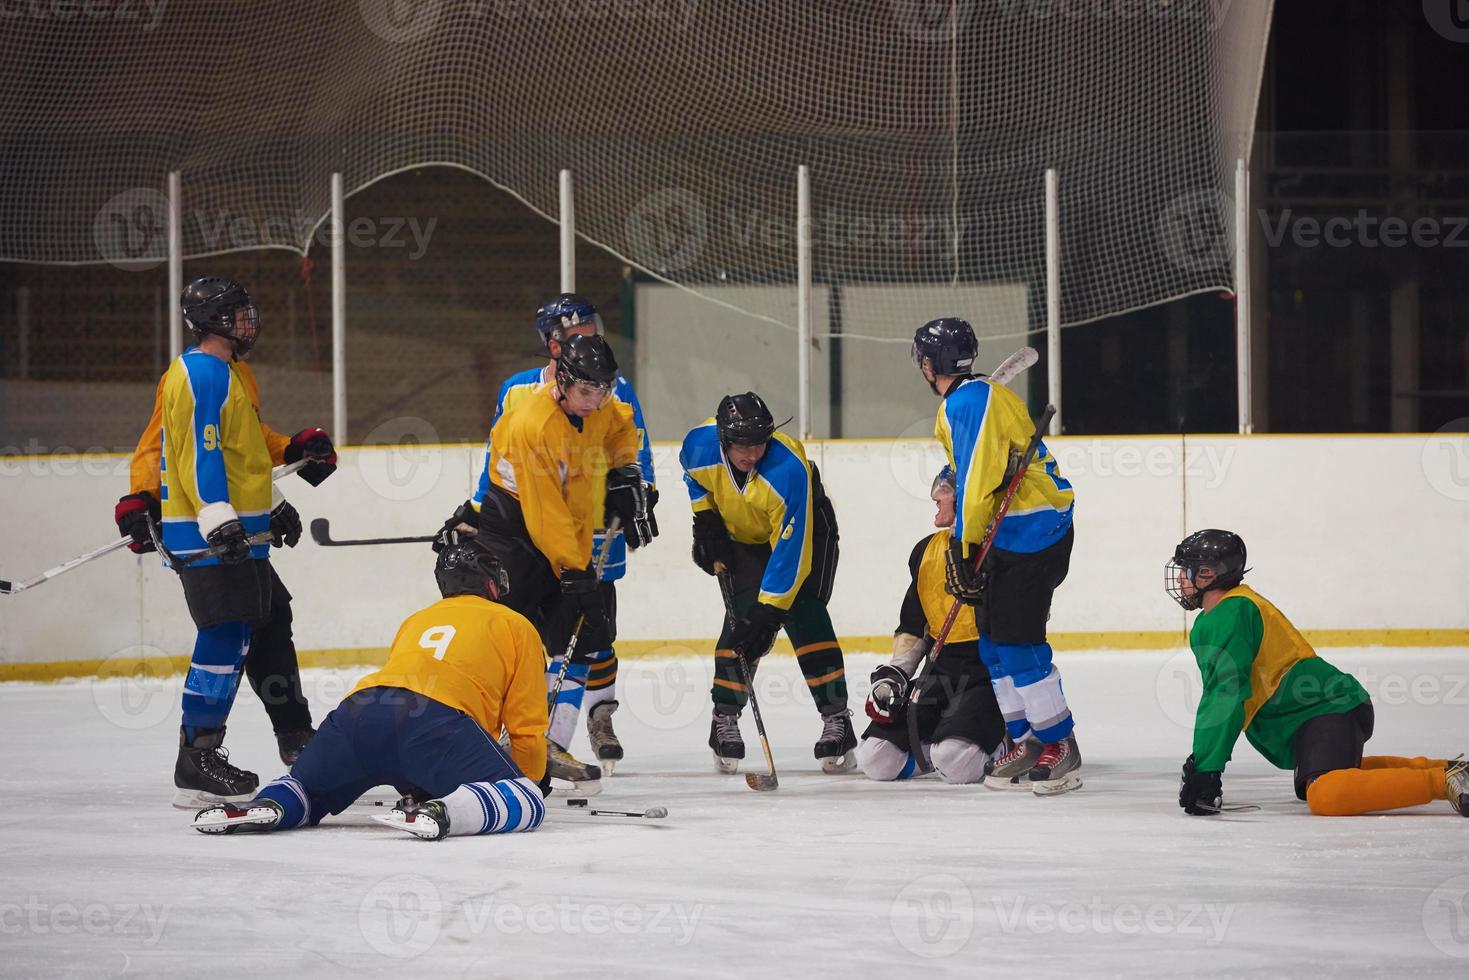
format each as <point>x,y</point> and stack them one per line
<point>957,717</point>
<point>1262,677</point>
<point>458,670</point>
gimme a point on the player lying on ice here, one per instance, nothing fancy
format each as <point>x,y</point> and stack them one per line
<point>1262,677</point>
<point>482,663</point>
<point>957,718</point>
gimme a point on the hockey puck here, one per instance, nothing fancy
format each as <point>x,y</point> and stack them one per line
<point>576,802</point>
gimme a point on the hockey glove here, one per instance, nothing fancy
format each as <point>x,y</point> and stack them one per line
<point>652,502</point>
<point>462,525</point>
<point>230,543</point>
<point>755,634</point>
<point>1201,793</point>
<point>889,695</point>
<point>132,513</point>
<point>627,499</point>
<point>285,525</point>
<point>582,596</point>
<point>315,445</point>
<point>712,544</point>
<point>962,579</point>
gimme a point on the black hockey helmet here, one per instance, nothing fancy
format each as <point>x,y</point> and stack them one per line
<point>948,343</point>
<point>1221,552</point>
<point>588,360</point>
<point>744,420</point>
<point>467,569</point>
<point>565,311</point>
<point>221,306</point>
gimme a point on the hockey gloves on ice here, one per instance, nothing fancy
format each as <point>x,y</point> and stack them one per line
<point>627,499</point>
<point>755,634</point>
<point>889,695</point>
<point>230,543</point>
<point>580,595</point>
<point>285,525</point>
<point>711,542</point>
<point>315,445</point>
<point>462,526</point>
<point>1201,793</point>
<point>962,579</point>
<point>131,514</point>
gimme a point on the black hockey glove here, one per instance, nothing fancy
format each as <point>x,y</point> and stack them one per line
<point>285,525</point>
<point>461,526</point>
<point>230,543</point>
<point>962,579</point>
<point>755,634</point>
<point>1200,794</point>
<point>652,502</point>
<point>889,695</point>
<point>712,544</point>
<point>132,513</point>
<point>581,596</point>
<point>627,499</point>
<point>313,444</point>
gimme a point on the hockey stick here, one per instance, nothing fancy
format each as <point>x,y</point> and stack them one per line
<point>755,780</point>
<point>1021,360</point>
<point>321,533</point>
<point>579,808</point>
<point>613,526</point>
<point>10,588</point>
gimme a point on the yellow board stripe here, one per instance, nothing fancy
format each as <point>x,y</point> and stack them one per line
<point>645,649</point>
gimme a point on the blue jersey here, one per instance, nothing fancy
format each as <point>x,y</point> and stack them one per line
<point>519,385</point>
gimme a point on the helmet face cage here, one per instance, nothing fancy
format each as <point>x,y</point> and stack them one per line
<point>943,484</point>
<point>1175,572</point>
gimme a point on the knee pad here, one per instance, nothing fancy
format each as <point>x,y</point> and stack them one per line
<point>883,761</point>
<point>958,760</point>
<point>1027,663</point>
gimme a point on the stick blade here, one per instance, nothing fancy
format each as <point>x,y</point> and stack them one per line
<point>321,530</point>
<point>762,782</point>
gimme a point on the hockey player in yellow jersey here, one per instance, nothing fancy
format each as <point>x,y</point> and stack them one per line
<point>459,671</point>
<point>216,503</point>
<point>761,515</point>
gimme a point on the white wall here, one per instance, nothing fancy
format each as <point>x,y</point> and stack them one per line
<point>1364,532</point>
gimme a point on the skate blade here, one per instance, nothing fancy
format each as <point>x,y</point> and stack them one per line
<point>1055,787</point>
<point>1015,784</point>
<point>423,826</point>
<point>207,822</point>
<point>608,766</point>
<point>585,787</point>
<point>727,767</point>
<point>194,799</point>
<point>836,765</point>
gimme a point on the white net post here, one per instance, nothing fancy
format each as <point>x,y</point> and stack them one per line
<point>803,301</point>
<point>1242,295</point>
<point>173,317</point>
<point>1053,296</point>
<point>568,233</point>
<point>339,312</point>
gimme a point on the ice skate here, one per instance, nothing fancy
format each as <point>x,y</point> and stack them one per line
<point>586,779</point>
<point>228,818</point>
<point>603,738</point>
<point>835,749</point>
<point>427,821</point>
<point>725,739</point>
<point>1057,770</point>
<point>1456,783</point>
<point>291,744</point>
<point>203,774</point>
<point>1009,770</point>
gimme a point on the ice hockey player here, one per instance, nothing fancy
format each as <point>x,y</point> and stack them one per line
<point>458,670</point>
<point>219,510</point>
<point>986,429</point>
<point>1260,676</point>
<point>761,514</point>
<point>590,683</point>
<point>958,719</point>
<point>548,452</point>
<point>270,662</point>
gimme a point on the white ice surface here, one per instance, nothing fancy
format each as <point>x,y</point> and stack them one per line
<point>828,876</point>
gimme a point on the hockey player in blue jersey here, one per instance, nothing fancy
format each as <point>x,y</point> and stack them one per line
<point>985,428</point>
<point>591,678</point>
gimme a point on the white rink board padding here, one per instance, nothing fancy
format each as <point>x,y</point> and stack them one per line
<point>826,877</point>
<point>1364,533</point>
